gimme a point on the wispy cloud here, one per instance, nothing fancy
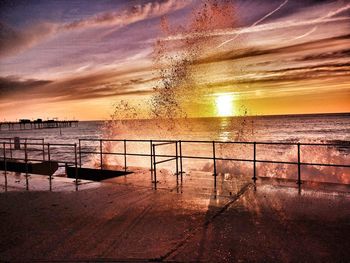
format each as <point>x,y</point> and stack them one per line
<point>284,24</point>
<point>256,22</point>
<point>305,34</point>
<point>15,41</point>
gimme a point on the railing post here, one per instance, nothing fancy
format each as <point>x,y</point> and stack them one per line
<point>49,159</point>
<point>26,162</point>
<point>154,167</point>
<point>254,158</point>
<point>43,141</point>
<point>299,171</point>
<point>11,148</point>
<point>151,142</point>
<point>101,157</point>
<point>5,166</point>
<point>177,162</point>
<point>80,153</point>
<point>125,168</point>
<point>181,171</point>
<point>214,159</point>
<point>76,166</point>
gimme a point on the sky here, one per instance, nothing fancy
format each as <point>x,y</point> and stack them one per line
<point>82,59</point>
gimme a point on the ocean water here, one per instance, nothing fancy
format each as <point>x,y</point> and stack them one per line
<point>327,128</point>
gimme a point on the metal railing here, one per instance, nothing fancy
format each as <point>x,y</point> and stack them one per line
<point>28,147</point>
<point>176,158</point>
<point>12,142</point>
<point>155,159</point>
<point>179,157</point>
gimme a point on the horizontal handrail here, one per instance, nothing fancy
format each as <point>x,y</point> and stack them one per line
<point>31,139</point>
<point>122,140</point>
<point>167,160</point>
<point>345,144</point>
<point>35,160</point>
<point>163,143</point>
<point>210,158</point>
<point>39,144</point>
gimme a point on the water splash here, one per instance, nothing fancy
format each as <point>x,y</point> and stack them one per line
<point>182,76</point>
<point>309,154</point>
<point>180,70</point>
<point>177,62</point>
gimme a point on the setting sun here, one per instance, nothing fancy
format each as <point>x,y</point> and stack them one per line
<point>224,105</point>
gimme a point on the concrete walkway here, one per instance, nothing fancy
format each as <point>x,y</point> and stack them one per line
<point>124,219</point>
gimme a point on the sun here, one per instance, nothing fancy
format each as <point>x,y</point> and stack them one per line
<point>224,105</point>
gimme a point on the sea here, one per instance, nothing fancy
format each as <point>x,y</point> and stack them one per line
<point>316,128</point>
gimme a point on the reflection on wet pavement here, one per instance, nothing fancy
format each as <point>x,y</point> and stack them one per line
<point>125,219</point>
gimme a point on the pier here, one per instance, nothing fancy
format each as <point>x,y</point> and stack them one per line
<point>26,124</point>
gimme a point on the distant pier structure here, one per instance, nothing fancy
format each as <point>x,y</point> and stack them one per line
<point>26,124</point>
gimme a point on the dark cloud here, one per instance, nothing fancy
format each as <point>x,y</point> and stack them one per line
<point>341,67</point>
<point>345,53</point>
<point>82,87</point>
<point>271,79</point>
<point>13,85</point>
<point>314,46</point>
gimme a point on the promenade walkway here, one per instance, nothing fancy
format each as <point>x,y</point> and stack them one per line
<point>124,219</point>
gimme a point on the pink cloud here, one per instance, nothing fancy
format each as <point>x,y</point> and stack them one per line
<point>14,42</point>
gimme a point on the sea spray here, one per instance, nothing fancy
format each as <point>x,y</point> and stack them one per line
<point>180,70</point>
<point>183,74</point>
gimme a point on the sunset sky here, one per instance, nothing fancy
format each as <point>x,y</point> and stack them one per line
<point>76,59</point>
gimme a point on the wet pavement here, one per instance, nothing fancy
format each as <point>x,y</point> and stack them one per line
<point>125,219</point>
<point>32,182</point>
